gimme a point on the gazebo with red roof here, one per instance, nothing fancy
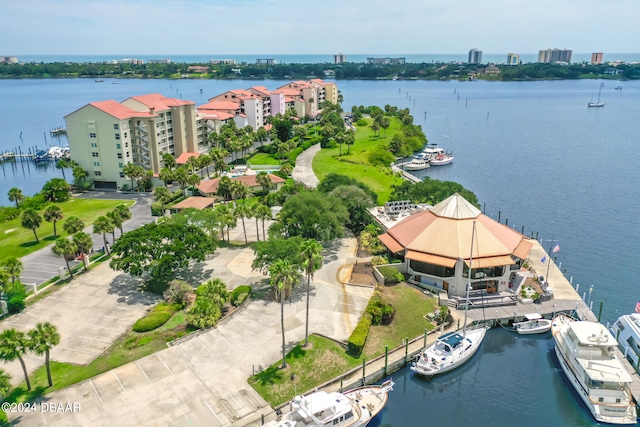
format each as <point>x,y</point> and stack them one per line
<point>436,247</point>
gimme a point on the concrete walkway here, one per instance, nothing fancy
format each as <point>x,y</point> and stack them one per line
<point>303,171</point>
<point>203,380</point>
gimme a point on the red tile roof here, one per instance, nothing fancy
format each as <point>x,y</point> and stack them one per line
<point>160,102</point>
<point>211,186</point>
<point>196,202</point>
<point>215,115</point>
<point>182,159</point>
<point>118,110</point>
<point>220,105</point>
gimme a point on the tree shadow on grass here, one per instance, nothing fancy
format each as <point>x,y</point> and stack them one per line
<point>21,395</point>
<point>50,238</point>
<point>269,376</point>
<point>29,244</point>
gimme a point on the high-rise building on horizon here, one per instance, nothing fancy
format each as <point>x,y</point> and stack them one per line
<point>339,58</point>
<point>551,56</point>
<point>475,56</point>
<point>513,59</point>
<point>596,58</point>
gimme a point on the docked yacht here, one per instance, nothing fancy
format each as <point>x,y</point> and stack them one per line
<point>416,163</point>
<point>627,332</point>
<point>437,156</point>
<point>585,353</point>
<point>354,408</point>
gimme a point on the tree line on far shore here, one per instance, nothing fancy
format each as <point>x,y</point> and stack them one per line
<point>344,71</point>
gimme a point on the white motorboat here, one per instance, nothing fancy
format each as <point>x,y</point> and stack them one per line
<point>585,353</point>
<point>416,164</point>
<point>453,349</point>
<point>431,151</point>
<point>627,332</point>
<point>534,324</point>
<point>442,159</point>
<point>354,408</point>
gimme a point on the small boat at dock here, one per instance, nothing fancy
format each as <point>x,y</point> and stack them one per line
<point>534,324</point>
<point>627,331</point>
<point>416,163</point>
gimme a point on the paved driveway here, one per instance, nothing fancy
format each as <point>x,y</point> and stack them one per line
<point>91,312</point>
<point>42,265</point>
<point>203,381</point>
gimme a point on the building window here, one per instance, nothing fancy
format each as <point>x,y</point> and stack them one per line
<point>97,173</point>
<point>117,136</point>
<point>128,154</point>
<point>116,126</point>
<point>119,155</point>
<point>94,145</point>
<point>125,134</point>
<point>431,269</point>
<point>118,146</point>
<point>120,165</point>
<point>92,135</point>
<point>96,163</point>
<point>94,154</point>
<point>126,145</point>
<point>121,174</point>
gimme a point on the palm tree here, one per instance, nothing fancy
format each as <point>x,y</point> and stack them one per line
<point>73,224</point>
<point>162,195</point>
<point>181,176</point>
<point>243,211</point>
<point>13,267</point>
<point>15,195</point>
<point>254,213</point>
<point>311,260</point>
<point>43,338</point>
<point>13,345</point>
<point>103,225</point>
<point>193,180</point>
<point>263,212</point>
<point>84,243</point>
<point>5,383</point>
<point>283,278</point>
<point>79,174</point>
<point>53,213</point>
<point>227,219</point>
<point>168,161</point>
<point>62,164</point>
<point>264,180</point>
<point>350,138</point>
<point>31,220</point>
<point>117,223</point>
<point>165,175</point>
<point>192,162</point>
<point>130,171</point>
<point>240,190</point>
<point>224,188</point>
<point>204,161</point>
<point>217,157</point>
<point>216,291</point>
<point>67,249</point>
<point>123,212</point>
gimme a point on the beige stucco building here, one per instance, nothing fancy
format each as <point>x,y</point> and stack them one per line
<point>435,246</point>
<point>106,135</point>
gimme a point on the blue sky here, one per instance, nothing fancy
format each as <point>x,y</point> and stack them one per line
<point>315,27</point>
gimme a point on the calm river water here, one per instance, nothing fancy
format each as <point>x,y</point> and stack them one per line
<point>531,151</point>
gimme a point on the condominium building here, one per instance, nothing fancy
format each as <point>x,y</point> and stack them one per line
<point>596,58</point>
<point>106,135</point>
<point>475,56</point>
<point>249,104</point>
<point>222,61</point>
<point>513,59</point>
<point>159,61</point>
<point>339,58</point>
<point>551,56</point>
<point>386,61</point>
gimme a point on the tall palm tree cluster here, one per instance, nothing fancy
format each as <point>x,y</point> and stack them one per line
<point>15,344</point>
<point>285,276</point>
<point>81,242</point>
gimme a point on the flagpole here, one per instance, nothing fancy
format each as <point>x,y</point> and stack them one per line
<point>549,256</point>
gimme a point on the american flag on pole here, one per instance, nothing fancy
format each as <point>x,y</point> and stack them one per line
<point>638,307</point>
<point>544,259</point>
<point>556,248</point>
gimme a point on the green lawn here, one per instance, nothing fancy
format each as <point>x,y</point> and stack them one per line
<point>410,305</point>
<point>356,165</point>
<point>18,241</point>
<point>264,159</point>
<point>325,359</point>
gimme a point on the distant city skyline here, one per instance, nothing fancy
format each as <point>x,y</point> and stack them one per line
<point>78,27</point>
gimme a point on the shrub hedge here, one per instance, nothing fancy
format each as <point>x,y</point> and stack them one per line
<point>358,337</point>
<point>391,275</point>
<point>157,317</point>
<point>240,294</point>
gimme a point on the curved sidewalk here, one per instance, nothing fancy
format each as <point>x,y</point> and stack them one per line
<point>303,171</point>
